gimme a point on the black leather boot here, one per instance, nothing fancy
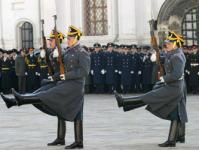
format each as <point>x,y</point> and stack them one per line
<point>78,128</point>
<point>171,142</point>
<point>181,133</point>
<point>119,99</point>
<point>131,107</point>
<point>129,103</point>
<point>61,132</point>
<point>133,101</point>
<point>23,99</point>
<point>9,101</point>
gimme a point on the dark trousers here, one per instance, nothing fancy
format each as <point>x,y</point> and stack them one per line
<point>22,84</point>
<point>99,88</point>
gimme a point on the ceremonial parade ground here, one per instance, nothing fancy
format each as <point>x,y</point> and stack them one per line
<point>105,127</point>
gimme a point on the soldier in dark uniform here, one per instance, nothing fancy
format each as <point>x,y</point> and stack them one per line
<point>91,87</point>
<point>110,67</point>
<point>65,99</point>
<point>88,81</point>
<point>31,62</point>
<point>139,56</point>
<point>193,70</point>
<point>126,70</point>
<point>167,99</point>
<point>5,70</point>
<point>154,74</point>
<point>98,69</point>
<point>133,67</point>
<point>118,54</point>
<point>42,71</point>
<point>187,73</point>
<point>13,76</point>
<point>147,70</point>
<point>20,69</point>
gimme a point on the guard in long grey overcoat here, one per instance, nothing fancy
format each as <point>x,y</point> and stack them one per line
<point>65,99</point>
<point>54,76</point>
<point>167,100</point>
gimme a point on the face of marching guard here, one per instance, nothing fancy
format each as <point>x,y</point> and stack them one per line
<point>71,41</point>
<point>73,36</point>
<point>169,46</point>
<point>173,41</point>
<point>52,43</point>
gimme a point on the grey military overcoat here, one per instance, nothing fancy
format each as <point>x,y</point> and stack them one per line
<point>162,101</point>
<point>65,98</point>
<point>20,66</point>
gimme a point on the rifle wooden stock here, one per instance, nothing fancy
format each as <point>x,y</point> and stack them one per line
<point>44,45</point>
<point>43,36</point>
<point>57,40</point>
<point>155,47</point>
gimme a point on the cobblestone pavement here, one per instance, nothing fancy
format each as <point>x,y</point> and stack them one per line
<point>105,127</point>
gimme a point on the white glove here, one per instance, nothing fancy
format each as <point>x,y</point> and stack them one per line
<point>116,71</point>
<point>50,78</point>
<point>103,71</point>
<point>26,73</point>
<point>62,77</point>
<point>187,72</point>
<point>139,72</point>
<point>38,74</point>
<point>55,53</point>
<point>198,73</point>
<point>92,73</point>
<point>132,72</point>
<point>153,57</point>
<point>42,53</point>
<point>120,72</point>
<point>145,57</point>
<point>161,79</point>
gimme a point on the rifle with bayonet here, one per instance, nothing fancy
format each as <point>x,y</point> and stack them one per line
<point>57,40</point>
<point>44,46</point>
<point>156,48</point>
<point>43,36</point>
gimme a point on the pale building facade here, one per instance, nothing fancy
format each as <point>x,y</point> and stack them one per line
<point>120,21</point>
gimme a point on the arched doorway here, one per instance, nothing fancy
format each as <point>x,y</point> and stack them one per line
<point>171,17</point>
<point>26,32</point>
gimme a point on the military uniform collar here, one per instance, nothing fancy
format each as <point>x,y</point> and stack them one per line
<point>174,51</point>
<point>74,48</point>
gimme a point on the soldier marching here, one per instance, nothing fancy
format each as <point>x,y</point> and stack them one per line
<point>123,68</point>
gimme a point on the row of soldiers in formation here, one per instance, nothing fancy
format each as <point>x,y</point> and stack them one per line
<point>125,68</point>
<point>132,68</point>
<point>22,70</point>
<point>192,68</point>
